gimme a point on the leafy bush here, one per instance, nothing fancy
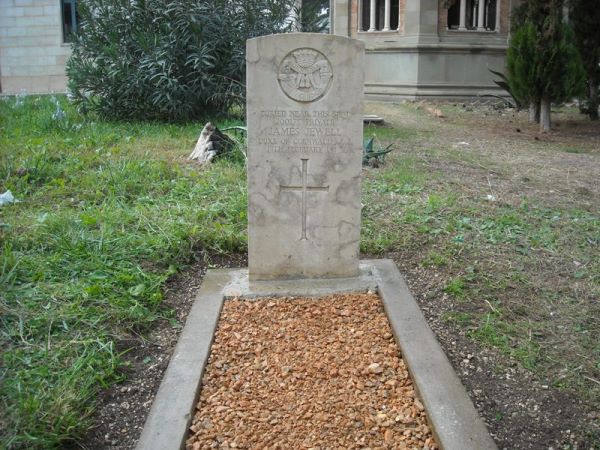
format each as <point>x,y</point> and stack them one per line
<point>166,59</point>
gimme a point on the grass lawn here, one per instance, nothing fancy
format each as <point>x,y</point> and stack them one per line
<point>107,213</point>
<point>498,231</point>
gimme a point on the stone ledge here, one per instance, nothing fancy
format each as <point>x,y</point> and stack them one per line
<point>240,286</point>
<point>455,422</point>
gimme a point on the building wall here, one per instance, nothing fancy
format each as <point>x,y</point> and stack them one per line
<point>440,73</point>
<point>422,59</point>
<point>32,52</point>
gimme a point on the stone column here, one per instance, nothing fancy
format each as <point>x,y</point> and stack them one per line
<point>340,17</point>
<point>498,6</point>
<point>481,15</point>
<point>359,18</point>
<point>463,15</point>
<point>386,26</point>
<point>372,4</point>
<point>421,21</point>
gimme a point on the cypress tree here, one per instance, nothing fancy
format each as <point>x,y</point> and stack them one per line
<point>521,69</point>
<point>543,64</point>
<point>585,20</point>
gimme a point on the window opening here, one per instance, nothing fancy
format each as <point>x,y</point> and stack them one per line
<point>379,15</point>
<point>472,15</point>
<point>69,19</point>
<point>490,18</point>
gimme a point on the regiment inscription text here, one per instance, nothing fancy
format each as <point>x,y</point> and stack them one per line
<point>304,131</point>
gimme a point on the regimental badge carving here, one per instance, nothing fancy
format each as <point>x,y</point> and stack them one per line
<point>305,74</point>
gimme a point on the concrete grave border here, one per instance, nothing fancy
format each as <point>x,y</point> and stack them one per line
<point>455,422</point>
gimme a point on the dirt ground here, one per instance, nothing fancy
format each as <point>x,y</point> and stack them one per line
<point>521,410</point>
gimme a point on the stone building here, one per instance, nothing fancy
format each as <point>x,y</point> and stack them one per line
<point>415,48</point>
<point>427,48</point>
<point>34,44</point>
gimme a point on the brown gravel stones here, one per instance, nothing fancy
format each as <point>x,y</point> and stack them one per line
<point>307,373</point>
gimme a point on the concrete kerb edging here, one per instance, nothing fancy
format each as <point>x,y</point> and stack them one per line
<point>453,419</point>
<point>171,412</point>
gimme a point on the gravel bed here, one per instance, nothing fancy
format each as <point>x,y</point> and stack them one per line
<point>307,373</point>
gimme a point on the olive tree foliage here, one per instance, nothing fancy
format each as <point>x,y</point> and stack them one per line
<point>542,61</point>
<point>166,59</point>
<point>584,16</point>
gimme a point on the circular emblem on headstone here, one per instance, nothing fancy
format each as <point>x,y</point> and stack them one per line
<point>305,74</point>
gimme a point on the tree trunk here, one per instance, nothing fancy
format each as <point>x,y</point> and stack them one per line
<point>534,112</point>
<point>211,143</point>
<point>545,114</point>
<point>593,101</point>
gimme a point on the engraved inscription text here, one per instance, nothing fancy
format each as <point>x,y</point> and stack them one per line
<point>304,132</point>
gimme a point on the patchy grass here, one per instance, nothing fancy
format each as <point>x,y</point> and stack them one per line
<point>522,263</point>
<point>390,133</point>
<point>526,274</point>
<point>104,218</point>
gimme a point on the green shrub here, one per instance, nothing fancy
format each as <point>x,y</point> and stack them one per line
<point>543,64</point>
<point>534,71</point>
<point>585,17</point>
<point>314,15</point>
<point>166,59</point>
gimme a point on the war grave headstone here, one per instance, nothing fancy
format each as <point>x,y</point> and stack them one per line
<point>304,160</point>
<point>304,117</point>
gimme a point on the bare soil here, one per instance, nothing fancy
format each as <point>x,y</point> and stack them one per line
<point>523,410</point>
<point>307,373</point>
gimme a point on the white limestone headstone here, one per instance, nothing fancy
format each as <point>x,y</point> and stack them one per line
<point>304,116</point>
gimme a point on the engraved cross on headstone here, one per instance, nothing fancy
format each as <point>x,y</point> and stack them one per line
<point>304,188</point>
